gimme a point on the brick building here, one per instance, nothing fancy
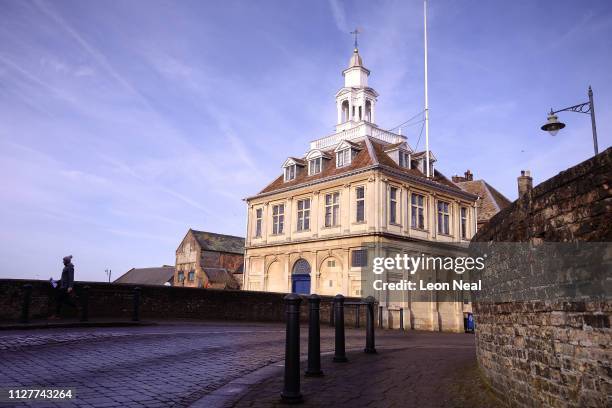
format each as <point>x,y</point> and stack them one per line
<point>209,260</point>
<point>490,201</point>
<point>148,276</point>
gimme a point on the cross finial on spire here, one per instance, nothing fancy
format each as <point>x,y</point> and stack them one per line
<point>355,34</point>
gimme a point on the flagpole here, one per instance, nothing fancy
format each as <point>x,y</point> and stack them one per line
<point>426,93</point>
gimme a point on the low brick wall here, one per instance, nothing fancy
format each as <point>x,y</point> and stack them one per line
<point>108,300</point>
<point>551,351</point>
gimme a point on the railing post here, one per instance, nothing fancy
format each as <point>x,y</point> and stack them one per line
<point>380,317</point>
<point>357,315</point>
<point>340,352</point>
<point>291,387</point>
<point>332,312</point>
<point>25,307</point>
<point>370,346</point>
<point>401,318</point>
<point>85,303</point>
<point>136,314</point>
<point>314,337</point>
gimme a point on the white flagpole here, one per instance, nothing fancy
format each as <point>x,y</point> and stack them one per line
<point>426,93</point>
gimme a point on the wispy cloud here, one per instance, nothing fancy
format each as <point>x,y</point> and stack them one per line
<point>123,124</point>
<point>339,14</point>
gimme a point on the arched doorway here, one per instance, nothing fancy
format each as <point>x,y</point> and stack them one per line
<point>331,277</point>
<point>300,277</point>
<point>276,279</point>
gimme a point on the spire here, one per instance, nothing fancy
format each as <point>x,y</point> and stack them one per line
<point>356,58</point>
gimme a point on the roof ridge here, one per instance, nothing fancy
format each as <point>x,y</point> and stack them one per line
<point>371,151</point>
<point>496,191</point>
<point>217,233</point>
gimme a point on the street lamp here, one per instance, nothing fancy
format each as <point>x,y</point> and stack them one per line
<point>553,125</point>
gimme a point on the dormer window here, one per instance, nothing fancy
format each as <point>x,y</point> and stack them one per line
<point>343,158</point>
<point>345,152</point>
<point>315,166</point>
<point>290,172</point>
<point>315,159</point>
<point>404,159</point>
<point>421,160</point>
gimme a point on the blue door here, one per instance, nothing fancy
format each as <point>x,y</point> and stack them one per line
<point>300,277</point>
<point>300,284</point>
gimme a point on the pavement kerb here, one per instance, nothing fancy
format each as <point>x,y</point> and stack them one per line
<point>231,392</point>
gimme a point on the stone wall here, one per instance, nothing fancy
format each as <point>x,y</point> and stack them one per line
<point>107,300</point>
<point>551,351</point>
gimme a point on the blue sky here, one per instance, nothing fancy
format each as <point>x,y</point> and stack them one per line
<point>123,124</point>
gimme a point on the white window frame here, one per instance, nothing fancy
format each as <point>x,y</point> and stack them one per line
<point>315,166</point>
<point>463,222</point>
<point>404,159</point>
<point>258,222</point>
<point>360,201</point>
<point>303,214</point>
<point>417,211</point>
<point>443,219</point>
<point>343,157</point>
<point>278,219</point>
<point>332,209</point>
<point>290,172</point>
<point>393,201</point>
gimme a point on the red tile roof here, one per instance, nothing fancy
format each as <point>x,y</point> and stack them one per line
<point>491,201</point>
<point>371,153</point>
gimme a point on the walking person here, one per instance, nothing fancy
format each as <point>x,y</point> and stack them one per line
<point>65,288</point>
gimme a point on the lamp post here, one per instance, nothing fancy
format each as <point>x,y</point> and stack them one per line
<point>553,125</point>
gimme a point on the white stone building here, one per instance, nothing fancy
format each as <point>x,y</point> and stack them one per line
<point>313,229</point>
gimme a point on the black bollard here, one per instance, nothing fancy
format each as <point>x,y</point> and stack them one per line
<point>25,307</point>
<point>340,353</point>
<point>136,314</point>
<point>291,389</point>
<point>314,337</point>
<point>370,347</point>
<point>85,304</point>
<point>380,317</point>
<point>401,318</point>
<point>357,315</point>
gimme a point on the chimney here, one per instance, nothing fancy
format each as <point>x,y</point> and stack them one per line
<point>525,183</point>
<point>467,176</point>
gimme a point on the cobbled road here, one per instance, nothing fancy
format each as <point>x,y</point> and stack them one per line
<point>169,365</point>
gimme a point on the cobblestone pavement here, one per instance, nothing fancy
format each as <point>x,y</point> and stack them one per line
<point>154,366</point>
<point>175,365</point>
<point>429,370</point>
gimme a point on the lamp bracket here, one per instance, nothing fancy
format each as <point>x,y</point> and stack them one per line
<point>580,108</point>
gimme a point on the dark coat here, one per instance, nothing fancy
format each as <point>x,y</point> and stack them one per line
<point>67,276</point>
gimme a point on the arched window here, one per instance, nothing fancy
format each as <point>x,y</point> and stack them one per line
<point>301,267</point>
<point>368,111</point>
<point>345,111</point>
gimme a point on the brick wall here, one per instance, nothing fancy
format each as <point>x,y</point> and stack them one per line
<point>551,351</point>
<point>108,300</point>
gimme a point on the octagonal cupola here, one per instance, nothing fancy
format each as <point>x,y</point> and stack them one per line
<point>355,100</point>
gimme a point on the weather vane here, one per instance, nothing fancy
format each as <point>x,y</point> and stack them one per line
<point>355,34</point>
